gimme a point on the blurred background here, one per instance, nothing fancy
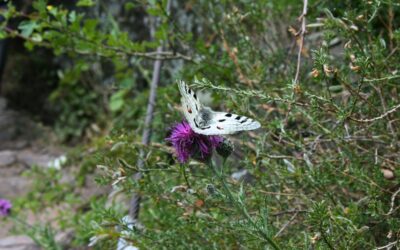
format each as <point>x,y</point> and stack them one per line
<point>77,78</point>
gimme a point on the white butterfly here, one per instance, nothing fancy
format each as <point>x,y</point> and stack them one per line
<point>203,120</point>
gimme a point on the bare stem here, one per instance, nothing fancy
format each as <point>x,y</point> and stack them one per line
<point>392,209</point>
<point>302,32</point>
<point>378,117</point>
<point>136,198</point>
<point>151,55</point>
<point>286,225</point>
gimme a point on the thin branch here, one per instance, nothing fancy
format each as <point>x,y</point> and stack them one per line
<point>392,209</point>
<point>390,26</point>
<point>282,157</point>
<point>388,246</point>
<point>289,212</point>
<point>286,225</point>
<point>135,201</point>
<point>382,79</point>
<point>357,93</point>
<point>281,194</point>
<point>395,108</point>
<point>136,198</point>
<point>232,55</point>
<point>249,93</point>
<point>384,107</point>
<point>152,55</point>
<point>302,32</point>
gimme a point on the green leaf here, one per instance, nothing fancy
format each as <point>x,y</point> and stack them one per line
<point>27,27</point>
<point>127,83</point>
<point>85,3</point>
<point>117,101</point>
<point>116,104</point>
<point>129,6</point>
<point>3,34</point>
<point>154,11</point>
<point>40,5</point>
<point>84,47</point>
<point>37,38</point>
<point>72,16</point>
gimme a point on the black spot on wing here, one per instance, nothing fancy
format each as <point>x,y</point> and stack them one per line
<point>195,97</point>
<point>245,120</point>
<point>228,115</point>
<point>187,88</point>
<point>197,108</point>
<point>189,91</point>
<point>222,120</point>
<point>238,117</point>
<point>195,123</point>
<point>205,128</point>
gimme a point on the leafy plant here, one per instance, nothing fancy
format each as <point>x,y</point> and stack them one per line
<point>319,174</point>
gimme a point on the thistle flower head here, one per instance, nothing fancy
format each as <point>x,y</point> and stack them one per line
<point>225,148</point>
<point>5,207</point>
<point>189,144</point>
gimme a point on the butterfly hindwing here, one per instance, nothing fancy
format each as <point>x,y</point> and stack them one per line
<point>227,123</point>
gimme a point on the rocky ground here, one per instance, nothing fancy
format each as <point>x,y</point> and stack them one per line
<point>23,144</point>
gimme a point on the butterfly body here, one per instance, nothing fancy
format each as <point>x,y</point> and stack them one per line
<point>204,117</point>
<point>203,120</point>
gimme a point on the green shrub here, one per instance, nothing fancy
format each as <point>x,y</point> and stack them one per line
<point>317,162</point>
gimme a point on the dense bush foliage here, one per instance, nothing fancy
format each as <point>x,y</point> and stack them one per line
<point>321,170</point>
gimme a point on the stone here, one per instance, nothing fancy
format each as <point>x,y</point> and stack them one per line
<point>387,173</point>
<point>30,158</point>
<point>13,145</point>
<point>242,175</point>
<point>18,242</point>
<point>8,128</point>
<point>7,157</point>
<point>64,238</point>
<point>3,104</point>
<point>13,186</point>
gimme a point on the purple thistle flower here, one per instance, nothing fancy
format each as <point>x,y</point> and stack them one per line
<point>5,207</point>
<point>189,144</point>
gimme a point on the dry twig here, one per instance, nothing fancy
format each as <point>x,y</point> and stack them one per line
<point>152,55</point>
<point>136,198</point>
<point>378,117</point>
<point>392,209</point>
<point>301,33</point>
<point>388,246</point>
<point>286,225</point>
<point>232,54</point>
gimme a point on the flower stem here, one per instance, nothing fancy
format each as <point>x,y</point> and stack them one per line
<point>239,205</point>
<point>183,170</point>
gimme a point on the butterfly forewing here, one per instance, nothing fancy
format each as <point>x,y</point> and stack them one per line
<point>190,104</point>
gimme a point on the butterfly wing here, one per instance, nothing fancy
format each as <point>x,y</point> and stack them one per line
<point>226,123</point>
<point>219,123</point>
<point>190,104</point>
